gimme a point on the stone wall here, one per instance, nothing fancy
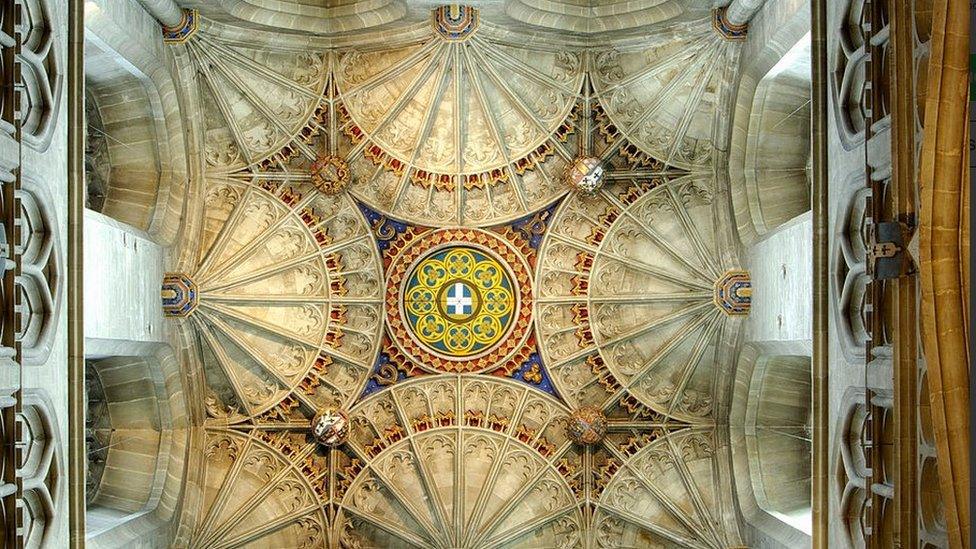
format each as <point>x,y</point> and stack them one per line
<point>37,162</point>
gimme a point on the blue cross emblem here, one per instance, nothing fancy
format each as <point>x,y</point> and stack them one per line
<point>459,300</point>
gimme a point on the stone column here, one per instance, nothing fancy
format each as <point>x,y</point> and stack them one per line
<point>167,12</point>
<point>738,13</point>
<point>820,201</point>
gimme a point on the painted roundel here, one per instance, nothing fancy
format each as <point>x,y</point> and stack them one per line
<point>459,301</point>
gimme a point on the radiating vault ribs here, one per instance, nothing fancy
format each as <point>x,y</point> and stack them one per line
<point>453,461</point>
<point>625,310</point>
<point>459,128</point>
<point>286,300</point>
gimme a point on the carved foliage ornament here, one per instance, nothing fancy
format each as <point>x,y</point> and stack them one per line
<point>283,280</point>
<point>587,425</point>
<point>330,174</point>
<point>625,288</point>
<point>458,461</point>
<point>288,291</point>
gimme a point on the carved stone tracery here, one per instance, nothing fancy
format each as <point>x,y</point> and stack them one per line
<point>625,311</point>
<point>397,481</point>
<point>436,136</point>
<point>289,300</point>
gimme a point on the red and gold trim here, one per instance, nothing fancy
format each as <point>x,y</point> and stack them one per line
<point>509,353</point>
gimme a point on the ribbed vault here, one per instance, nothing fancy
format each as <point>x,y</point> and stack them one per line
<point>335,172</point>
<point>626,313</point>
<point>461,461</point>
<point>289,299</point>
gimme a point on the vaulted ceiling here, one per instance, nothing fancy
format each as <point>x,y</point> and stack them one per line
<point>388,230</point>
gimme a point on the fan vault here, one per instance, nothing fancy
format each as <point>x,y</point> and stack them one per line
<point>461,288</point>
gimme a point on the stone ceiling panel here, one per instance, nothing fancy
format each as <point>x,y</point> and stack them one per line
<point>468,128</point>
<point>289,296</point>
<point>662,95</point>
<point>589,17</point>
<point>397,479</point>
<point>460,289</point>
<point>255,99</point>
<point>625,287</point>
<point>304,16</point>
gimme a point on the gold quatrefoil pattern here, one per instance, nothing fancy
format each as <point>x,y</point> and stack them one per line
<point>459,301</point>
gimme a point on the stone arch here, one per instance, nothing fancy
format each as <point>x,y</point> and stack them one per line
<point>137,431</point>
<point>136,160</point>
<point>41,69</point>
<point>33,433</point>
<point>311,17</point>
<point>769,154</point>
<point>770,429</point>
<point>41,285</point>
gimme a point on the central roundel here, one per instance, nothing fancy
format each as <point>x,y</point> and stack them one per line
<point>459,300</point>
